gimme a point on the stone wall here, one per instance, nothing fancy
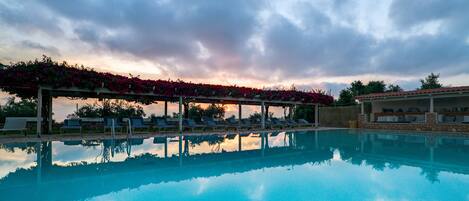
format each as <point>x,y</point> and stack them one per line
<point>338,116</point>
<point>431,124</point>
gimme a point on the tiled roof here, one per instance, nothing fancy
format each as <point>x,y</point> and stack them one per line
<point>438,91</point>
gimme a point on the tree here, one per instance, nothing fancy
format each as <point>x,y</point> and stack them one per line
<point>431,82</point>
<point>375,87</point>
<point>22,108</point>
<point>394,88</point>
<point>346,97</point>
<point>117,108</point>
<point>357,88</point>
<point>196,112</point>
<point>304,112</point>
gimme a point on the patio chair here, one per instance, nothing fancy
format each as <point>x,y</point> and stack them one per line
<point>71,124</point>
<point>191,124</point>
<point>14,124</point>
<point>137,123</point>
<point>162,124</point>
<point>108,123</point>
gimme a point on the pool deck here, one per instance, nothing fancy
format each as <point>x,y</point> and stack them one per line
<point>18,138</point>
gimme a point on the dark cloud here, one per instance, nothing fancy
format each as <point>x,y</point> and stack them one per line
<point>29,17</point>
<point>453,13</point>
<point>47,50</point>
<point>205,37</point>
<point>158,30</point>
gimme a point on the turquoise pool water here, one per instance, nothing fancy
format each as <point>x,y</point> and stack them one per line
<point>324,165</point>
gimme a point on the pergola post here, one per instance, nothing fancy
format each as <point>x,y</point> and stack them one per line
<point>362,108</point>
<point>165,109</point>
<point>432,108</point>
<point>240,116</point>
<point>292,111</point>
<point>186,110</point>
<point>39,112</point>
<point>316,115</point>
<point>180,114</point>
<point>239,142</point>
<point>263,115</point>
<point>284,112</point>
<point>50,114</point>
<point>165,147</point>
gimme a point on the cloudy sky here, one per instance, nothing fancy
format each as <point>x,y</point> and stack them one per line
<point>312,44</point>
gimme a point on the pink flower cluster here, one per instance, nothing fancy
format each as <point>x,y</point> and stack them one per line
<point>23,79</point>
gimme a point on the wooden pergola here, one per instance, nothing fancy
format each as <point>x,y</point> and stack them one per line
<point>45,95</point>
<point>47,79</point>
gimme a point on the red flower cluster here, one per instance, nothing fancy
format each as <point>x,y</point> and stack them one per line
<point>23,79</point>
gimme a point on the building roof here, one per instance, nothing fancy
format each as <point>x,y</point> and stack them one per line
<point>416,93</point>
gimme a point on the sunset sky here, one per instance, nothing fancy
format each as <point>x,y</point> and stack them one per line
<point>313,44</point>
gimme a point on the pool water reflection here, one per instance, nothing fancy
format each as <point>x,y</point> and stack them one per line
<point>315,165</point>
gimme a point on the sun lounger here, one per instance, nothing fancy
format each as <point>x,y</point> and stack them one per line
<point>210,123</point>
<point>71,124</point>
<point>276,123</point>
<point>108,124</point>
<point>136,141</point>
<point>162,124</point>
<point>190,123</point>
<point>14,124</point>
<point>232,123</point>
<point>137,123</point>
<point>160,140</point>
<point>291,123</point>
<point>246,123</point>
<point>465,120</point>
<point>72,142</point>
<point>303,122</point>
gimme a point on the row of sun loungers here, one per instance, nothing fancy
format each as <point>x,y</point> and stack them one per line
<point>161,124</point>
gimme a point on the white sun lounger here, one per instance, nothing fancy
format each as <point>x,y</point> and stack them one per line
<point>14,124</point>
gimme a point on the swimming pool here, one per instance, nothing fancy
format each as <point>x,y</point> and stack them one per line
<point>313,165</point>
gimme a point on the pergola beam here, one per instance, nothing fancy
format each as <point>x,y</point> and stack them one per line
<point>105,93</point>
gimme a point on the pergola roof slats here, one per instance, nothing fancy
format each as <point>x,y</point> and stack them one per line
<point>415,94</point>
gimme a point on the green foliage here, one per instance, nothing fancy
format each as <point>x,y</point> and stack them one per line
<point>254,116</point>
<point>357,88</point>
<point>22,108</point>
<point>375,87</point>
<point>196,112</point>
<point>431,82</point>
<point>394,88</point>
<point>116,108</point>
<point>345,98</point>
<point>304,112</point>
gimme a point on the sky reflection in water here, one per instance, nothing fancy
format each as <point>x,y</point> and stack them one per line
<point>325,165</point>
